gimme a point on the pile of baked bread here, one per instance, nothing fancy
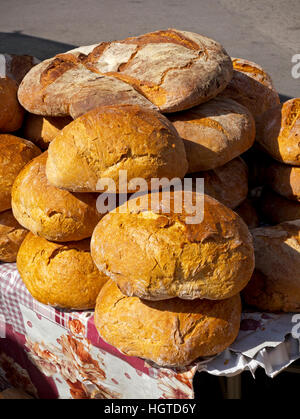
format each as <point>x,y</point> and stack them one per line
<point>164,105</point>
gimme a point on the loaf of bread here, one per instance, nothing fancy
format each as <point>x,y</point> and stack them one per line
<point>12,70</point>
<point>276,208</point>
<point>154,252</point>
<point>42,130</point>
<point>60,274</point>
<point>108,139</point>
<point>11,236</point>
<point>214,133</point>
<point>252,87</point>
<point>279,132</point>
<point>11,112</point>
<point>170,333</point>
<point>275,285</point>
<point>171,70</point>
<point>50,212</point>
<point>15,153</point>
<point>284,179</point>
<point>227,184</point>
<point>247,211</point>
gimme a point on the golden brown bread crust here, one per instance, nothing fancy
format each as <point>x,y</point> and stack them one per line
<point>277,209</point>
<point>276,283</point>
<point>172,70</point>
<point>11,236</point>
<point>60,274</point>
<point>42,130</point>
<point>279,132</point>
<point>50,212</point>
<point>284,179</point>
<point>11,113</point>
<point>15,153</point>
<point>228,184</point>
<point>112,138</point>
<point>248,213</point>
<point>214,133</point>
<point>170,333</point>
<point>154,254</point>
<point>252,87</point>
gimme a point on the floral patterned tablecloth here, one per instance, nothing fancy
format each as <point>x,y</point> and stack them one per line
<point>53,353</point>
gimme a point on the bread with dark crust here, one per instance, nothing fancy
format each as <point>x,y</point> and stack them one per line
<point>276,208</point>
<point>169,70</point>
<point>50,212</point>
<point>170,333</point>
<point>60,274</point>
<point>152,251</point>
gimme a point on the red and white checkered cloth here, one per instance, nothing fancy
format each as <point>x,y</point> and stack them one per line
<point>13,293</point>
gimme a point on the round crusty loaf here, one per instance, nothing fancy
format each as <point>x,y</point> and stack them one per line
<point>170,333</point>
<point>112,138</point>
<point>15,153</point>
<point>275,285</point>
<point>11,236</point>
<point>152,251</point>
<point>60,274</point>
<point>41,130</point>
<point>277,209</point>
<point>214,133</point>
<point>279,132</point>
<point>284,179</point>
<point>48,211</point>
<point>171,70</point>
<point>11,113</point>
<point>16,66</point>
<point>252,87</point>
<point>248,213</point>
<point>227,184</point>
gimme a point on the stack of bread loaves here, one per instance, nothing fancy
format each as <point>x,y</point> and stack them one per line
<point>15,152</point>
<point>171,291</point>
<point>169,104</point>
<point>275,285</point>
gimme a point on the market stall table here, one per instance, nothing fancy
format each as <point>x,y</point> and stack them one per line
<point>52,353</point>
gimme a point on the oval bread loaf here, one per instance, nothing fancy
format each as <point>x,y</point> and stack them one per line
<point>153,252</point>
<point>15,153</point>
<point>48,211</point>
<point>60,274</point>
<point>277,209</point>
<point>171,70</point>
<point>109,139</point>
<point>214,133</point>
<point>252,87</point>
<point>275,285</point>
<point>170,333</point>
<point>279,132</point>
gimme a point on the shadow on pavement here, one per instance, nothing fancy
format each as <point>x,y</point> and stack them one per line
<point>19,43</point>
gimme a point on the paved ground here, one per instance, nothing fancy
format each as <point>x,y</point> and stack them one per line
<point>266,31</point>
